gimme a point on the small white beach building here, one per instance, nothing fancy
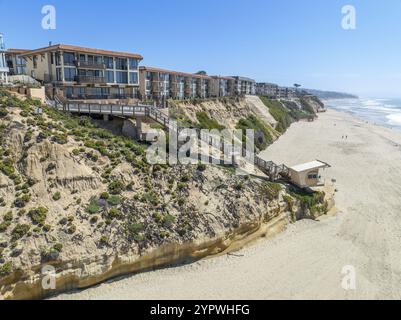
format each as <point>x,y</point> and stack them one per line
<point>3,65</point>
<point>307,175</point>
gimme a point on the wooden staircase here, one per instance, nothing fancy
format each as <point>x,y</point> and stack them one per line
<point>269,168</point>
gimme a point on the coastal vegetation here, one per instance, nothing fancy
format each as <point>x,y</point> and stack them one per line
<point>206,123</point>
<point>288,112</point>
<point>71,191</point>
<point>263,133</point>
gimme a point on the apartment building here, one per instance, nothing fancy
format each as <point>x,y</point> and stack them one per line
<point>273,91</point>
<point>159,85</point>
<point>286,93</point>
<point>15,62</point>
<point>222,86</point>
<point>244,86</point>
<point>267,90</point>
<point>3,65</point>
<point>85,73</point>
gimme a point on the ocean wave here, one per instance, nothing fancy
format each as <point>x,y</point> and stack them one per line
<point>394,119</point>
<point>383,111</point>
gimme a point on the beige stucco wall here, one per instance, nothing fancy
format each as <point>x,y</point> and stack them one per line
<point>38,93</point>
<point>42,66</point>
<point>301,178</point>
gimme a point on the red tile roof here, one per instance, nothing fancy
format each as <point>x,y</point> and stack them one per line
<point>177,73</point>
<point>84,50</point>
<point>17,51</point>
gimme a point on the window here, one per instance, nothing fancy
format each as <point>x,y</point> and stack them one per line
<point>313,176</point>
<point>35,62</point>
<point>58,74</point>
<point>82,58</point>
<point>58,59</point>
<point>69,74</point>
<point>110,76</point>
<point>122,77</point>
<point>79,91</point>
<point>69,58</point>
<point>109,62</point>
<point>68,92</point>
<point>21,70</point>
<point>121,64</point>
<point>133,63</point>
<point>133,77</point>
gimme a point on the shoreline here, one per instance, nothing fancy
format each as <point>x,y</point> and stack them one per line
<point>364,117</point>
<point>305,260</point>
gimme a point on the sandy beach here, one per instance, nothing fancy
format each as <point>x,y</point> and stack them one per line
<point>306,260</point>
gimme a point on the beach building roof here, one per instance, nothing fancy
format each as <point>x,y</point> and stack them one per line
<point>310,166</point>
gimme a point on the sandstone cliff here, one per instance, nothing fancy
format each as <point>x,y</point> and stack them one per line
<point>84,201</point>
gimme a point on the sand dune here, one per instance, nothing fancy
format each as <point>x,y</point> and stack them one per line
<point>306,260</point>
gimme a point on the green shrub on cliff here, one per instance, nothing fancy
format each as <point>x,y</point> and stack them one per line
<point>206,123</point>
<point>20,231</point>
<point>93,206</point>
<point>3,112</point>
<point>114,200</point>
<point>116,187</point>
<point>57,196</point>
<point>38,215</point>
<point>263,136</point>
<point>279,113</point>
<point>6,269</point>
<point>314,202</point>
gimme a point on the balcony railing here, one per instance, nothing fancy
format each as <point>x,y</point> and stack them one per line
<point>90,79</point>
<point>89,65</point>
<point>101,96</point>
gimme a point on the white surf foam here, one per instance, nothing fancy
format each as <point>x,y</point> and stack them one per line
<point>394,119</point>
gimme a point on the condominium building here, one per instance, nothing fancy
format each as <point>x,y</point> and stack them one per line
<point>159,85</point>
<point>244,86</point>
<point>85,73</point>
<point>269,90</point>
<point>3,65</point>
<point>222,86</point>
<point>15,62</point>
<point>273,91</point>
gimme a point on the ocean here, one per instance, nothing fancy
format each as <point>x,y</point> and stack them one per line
<point>386,112</point>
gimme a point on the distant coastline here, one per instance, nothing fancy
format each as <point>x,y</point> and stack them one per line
<point>326,95</point>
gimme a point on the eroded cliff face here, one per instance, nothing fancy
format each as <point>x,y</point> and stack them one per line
<point>225,111</point>
<point>81,200</point>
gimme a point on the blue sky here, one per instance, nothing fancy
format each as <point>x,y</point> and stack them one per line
<point>283,41</point>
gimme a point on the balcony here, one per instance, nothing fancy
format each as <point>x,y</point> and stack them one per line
<point>90,80</point>
<point>89,65</point>
<point>111,96</point>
